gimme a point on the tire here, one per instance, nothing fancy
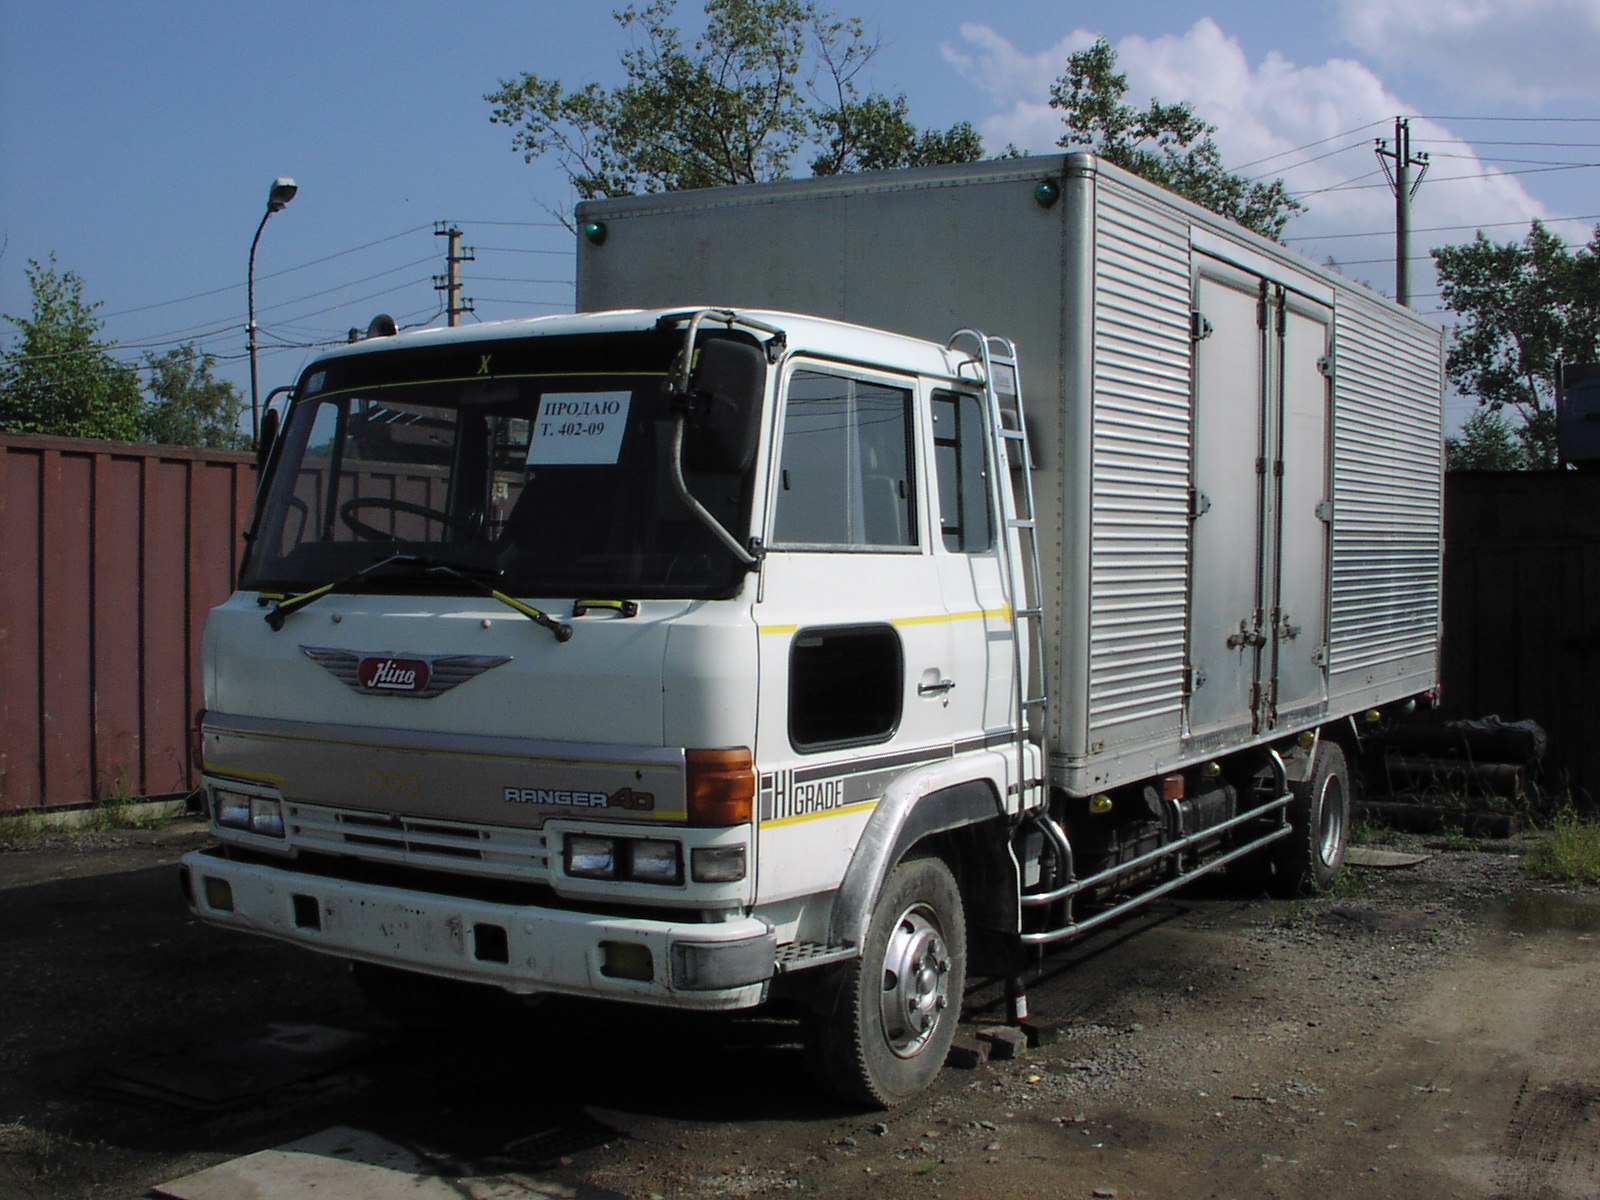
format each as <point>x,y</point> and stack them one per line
<point>1310,857</point>
<point>893,1011</point>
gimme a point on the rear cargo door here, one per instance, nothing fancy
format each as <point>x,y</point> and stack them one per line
<point>1298,632</point>
<point>1258,549</point>
<point>1227,504</point>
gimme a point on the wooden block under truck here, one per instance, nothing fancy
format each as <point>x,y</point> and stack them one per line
<point>884,579</point>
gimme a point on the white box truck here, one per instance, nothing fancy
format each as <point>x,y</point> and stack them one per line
<point>880,578</point>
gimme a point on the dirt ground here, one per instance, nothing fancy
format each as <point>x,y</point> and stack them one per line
<point>1428,1032</point>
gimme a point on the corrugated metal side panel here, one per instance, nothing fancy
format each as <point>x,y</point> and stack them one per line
<point>1140,503</point>
<point>1387,512</point>
<point>21,751</point>
<point>113,553</point>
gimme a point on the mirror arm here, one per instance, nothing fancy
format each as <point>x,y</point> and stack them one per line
<point>743,553</point>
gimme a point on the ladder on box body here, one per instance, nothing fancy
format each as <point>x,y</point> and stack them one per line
<point>1021,577</point>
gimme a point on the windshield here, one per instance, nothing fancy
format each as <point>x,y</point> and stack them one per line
<point>545,460</point>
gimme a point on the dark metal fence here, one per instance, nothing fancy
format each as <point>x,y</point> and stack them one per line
<point>110,557</point>
<point>1522,610</point>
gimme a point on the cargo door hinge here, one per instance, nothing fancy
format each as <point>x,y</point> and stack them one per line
<point>1325,511</point>
<point>1325,366</point>
<point>1199,328</point>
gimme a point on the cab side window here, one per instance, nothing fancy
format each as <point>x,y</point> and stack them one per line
<point>966,521</point>
<point>845,474</point>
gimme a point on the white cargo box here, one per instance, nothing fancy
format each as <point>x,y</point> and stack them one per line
<point>1239,453</point>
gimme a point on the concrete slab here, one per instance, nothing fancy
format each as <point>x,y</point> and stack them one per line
<point>351,1164</point>
<point>223,1073</point>
<point>1368,856</point>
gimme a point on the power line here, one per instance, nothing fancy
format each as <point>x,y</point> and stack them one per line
<point>316,262</point>
<point>1520,120</point>
<point>1309,146</point>
<point>1328,237</point>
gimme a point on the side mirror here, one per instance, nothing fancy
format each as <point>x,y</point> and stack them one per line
<point>270,421</point>
<point>724,405</point>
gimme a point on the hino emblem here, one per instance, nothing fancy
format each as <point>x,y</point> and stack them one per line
<point>415,676</point>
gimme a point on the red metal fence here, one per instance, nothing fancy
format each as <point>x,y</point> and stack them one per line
<point>110,557</point>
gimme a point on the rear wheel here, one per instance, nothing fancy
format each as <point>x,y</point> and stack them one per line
<point>894,1010</point>
<point>1310,857</point>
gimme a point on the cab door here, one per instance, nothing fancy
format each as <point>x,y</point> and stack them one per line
<point>967,548</point>
<point>859,678</point>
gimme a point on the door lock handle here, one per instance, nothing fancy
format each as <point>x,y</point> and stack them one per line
<point>935,689</point>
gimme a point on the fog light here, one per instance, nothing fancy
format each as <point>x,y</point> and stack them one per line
<point>627,960</point>
<point>591,857</point>
<point>218,894</point>
<point>655,862</point>
<point>717,864</point>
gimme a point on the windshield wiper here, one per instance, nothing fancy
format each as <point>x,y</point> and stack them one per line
<point>289,605</point>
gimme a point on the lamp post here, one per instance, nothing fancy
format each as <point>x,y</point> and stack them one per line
<point>282,192</point>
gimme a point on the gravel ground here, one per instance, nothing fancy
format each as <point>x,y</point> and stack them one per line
<point>1428,1031</point>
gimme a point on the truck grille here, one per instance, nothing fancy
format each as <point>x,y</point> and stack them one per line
<point>491,850</point>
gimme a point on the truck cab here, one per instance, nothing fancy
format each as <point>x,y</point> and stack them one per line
<point>631,656</point>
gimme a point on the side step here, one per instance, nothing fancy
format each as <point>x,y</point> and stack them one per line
<point>1183,876</point>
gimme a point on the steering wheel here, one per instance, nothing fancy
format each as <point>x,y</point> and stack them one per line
<point>348,510</point>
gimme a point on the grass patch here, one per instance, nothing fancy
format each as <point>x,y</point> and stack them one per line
<point>24,829</point>
<point>1460,840</point>
<point>35,1154</point>
<point>1569,851</point>
<point>1373,831</point>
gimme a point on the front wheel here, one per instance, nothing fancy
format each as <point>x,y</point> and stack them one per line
<point>894,1010</point>
<point>1310,857</point>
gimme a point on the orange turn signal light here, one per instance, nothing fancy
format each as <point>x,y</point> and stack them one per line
<point>720,785</point>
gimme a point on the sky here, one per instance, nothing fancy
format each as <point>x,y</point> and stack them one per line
<point>138,141</point>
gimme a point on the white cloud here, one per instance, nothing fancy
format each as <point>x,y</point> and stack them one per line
<point>1312,125</point>
<point>1527,51</point>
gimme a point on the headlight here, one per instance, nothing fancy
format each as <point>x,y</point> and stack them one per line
<point>717,864</point>
<point>591,857</point>
<point>252,814</point>
<point>655,862</point>
<point>636,860</point>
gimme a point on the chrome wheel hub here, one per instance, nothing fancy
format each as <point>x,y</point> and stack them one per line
<point>916,981</point>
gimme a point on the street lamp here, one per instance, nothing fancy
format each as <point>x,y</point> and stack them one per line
<point>282,192</point>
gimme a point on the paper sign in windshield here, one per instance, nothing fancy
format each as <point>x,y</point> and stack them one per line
<point>579,429</point>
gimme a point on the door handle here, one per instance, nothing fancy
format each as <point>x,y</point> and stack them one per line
<point>935,689</point>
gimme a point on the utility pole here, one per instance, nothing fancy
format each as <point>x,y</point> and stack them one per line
<point>450,283</point>
<point>1404,189</point>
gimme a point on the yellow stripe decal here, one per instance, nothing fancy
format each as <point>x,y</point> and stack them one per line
<point>247,776</point>
<point>997,614</point>
<point>859,807</point>
<point>433,753</point>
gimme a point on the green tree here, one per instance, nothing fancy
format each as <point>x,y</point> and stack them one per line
<point>1524,307</point>
<point>57,377</point>
<point>765,81</point>
<point>188,406</point>
<point>1487,443</point>
<point>1164,143</point>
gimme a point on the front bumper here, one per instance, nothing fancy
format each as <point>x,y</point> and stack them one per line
<point>522,948</point>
